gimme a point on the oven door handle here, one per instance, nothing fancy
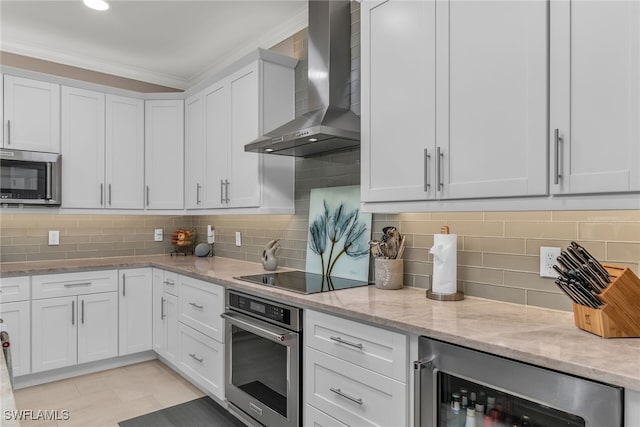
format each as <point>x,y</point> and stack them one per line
<point>264,330</point>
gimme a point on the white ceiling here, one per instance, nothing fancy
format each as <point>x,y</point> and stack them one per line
<point>171,43</point>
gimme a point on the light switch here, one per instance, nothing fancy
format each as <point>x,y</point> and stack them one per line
<point>238,239</point>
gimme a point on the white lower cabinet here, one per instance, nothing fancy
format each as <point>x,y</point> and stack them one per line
<point>15,312</point>
<point>354,374</point>
<point>78,324</point>
<point>201,333</point>
<point>16,317</point>
<point>165,315</point>
<point>202,359</point>
<point>135,314</point>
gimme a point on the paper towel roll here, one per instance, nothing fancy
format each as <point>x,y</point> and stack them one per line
<point>445,263</point>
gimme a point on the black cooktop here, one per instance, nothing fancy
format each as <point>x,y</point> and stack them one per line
<point>302,282</point>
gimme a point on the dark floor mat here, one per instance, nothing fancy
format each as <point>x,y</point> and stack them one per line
<point>202,412</point>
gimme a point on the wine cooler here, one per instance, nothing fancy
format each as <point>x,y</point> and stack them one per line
<point>460,387</point>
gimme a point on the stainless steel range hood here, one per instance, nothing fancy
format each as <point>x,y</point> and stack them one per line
<point>330,125</point>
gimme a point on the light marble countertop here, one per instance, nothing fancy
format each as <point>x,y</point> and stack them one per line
<point>533,335</point>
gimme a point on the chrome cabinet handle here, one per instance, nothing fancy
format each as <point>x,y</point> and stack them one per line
<point>82,311</point>
<point>198,194</point>
<point>124,285</point>
<point>439,156</point>
<point>73,312</point>
<point>200,307</point>
<point>427,157</point>
<point>557,139</point>
<point>73,285</point>
<point>418,366</point>
<point>109,193</point>
<point>227,198</point>
<point>341,341</point>
<point>102,194</point>
<point>8,132</point>
<point>147,195</point>
<point>346,396</point>
<point>161,308</point>
<point>221,191</point>
<point>169,282</point>
<point>194,357</point>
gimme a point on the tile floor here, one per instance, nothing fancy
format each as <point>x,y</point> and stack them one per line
<point>107,397</point>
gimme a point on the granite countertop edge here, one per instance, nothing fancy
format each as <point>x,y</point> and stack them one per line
<point>538,336</point>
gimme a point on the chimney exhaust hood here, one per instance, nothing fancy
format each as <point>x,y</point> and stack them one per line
<point>330,125</point>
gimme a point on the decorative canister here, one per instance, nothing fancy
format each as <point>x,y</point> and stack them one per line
<point>388,273</point>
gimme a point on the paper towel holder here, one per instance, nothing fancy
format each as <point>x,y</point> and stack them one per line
<point>456,296</point>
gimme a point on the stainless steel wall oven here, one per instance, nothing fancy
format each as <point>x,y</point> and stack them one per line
<point>262,355</point>
<point>456,386</point>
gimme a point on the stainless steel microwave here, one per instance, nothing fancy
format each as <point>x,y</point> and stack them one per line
<point>30,178</point>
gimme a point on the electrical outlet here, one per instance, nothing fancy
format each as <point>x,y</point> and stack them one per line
<point>158,235</point>
<point>54,237</point>
<point>548,257</point>
<point>238,239</point>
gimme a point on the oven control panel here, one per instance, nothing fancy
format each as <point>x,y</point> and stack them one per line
<point>264,309</point>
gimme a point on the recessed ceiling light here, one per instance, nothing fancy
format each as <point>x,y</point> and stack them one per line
<point>96,4</point>
<point>268,150</point>
<point>313,139</point>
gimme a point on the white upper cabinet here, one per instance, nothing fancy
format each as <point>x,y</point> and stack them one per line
<point>195,182</point>
<point>595,96</point>
<point>124,152</point>
<point>164,151</point>
<point>31,115</point>
<point>456,104</point>
<point>491,99</point>
<point>398,114</point>
<point>103,150</point>
<point>239,108</point>
<point>83,129</point>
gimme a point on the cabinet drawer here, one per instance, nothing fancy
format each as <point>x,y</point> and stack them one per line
<point>315,418</point>
<point>170,283</point>
<point>67,284</point>
<point>373,348</point>
<point>200,306</point>
<point>202,359</point>
<point>351,394</point>
<point>15,289</point>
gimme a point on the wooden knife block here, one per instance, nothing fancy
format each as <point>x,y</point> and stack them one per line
<point>619,317</point>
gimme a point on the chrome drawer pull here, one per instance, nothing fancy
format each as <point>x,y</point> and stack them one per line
<point>346,396</point>
<point>73,285</point>
<point>169,282</point>
<point>196,305</point>
<point>194,357</point>
<point>341,341</point>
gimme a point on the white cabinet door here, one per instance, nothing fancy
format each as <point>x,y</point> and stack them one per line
<point>54,335</point>
<point>243,189</point>
<point>31,115</point>
<point>194,152</point>
<point>595,96</point>
<point>491,98</point>
<point>398,107</point>
<point>201,304</point>
<point>135,310</point>
<point>164,149</point>
<point>165,315</point>
<point>216,98</point>
<point>97,326</point>
<point>158,313</point>
<point>16,318</point>
<point>172,339</point>
<point>124,152</point>
<point>202,359</point>
<point>82,146</point>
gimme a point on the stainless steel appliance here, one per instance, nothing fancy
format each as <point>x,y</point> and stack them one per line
<point>450,379</point>
<point>330,124</point>
<point>29,177</point>
<point>263,359</point>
